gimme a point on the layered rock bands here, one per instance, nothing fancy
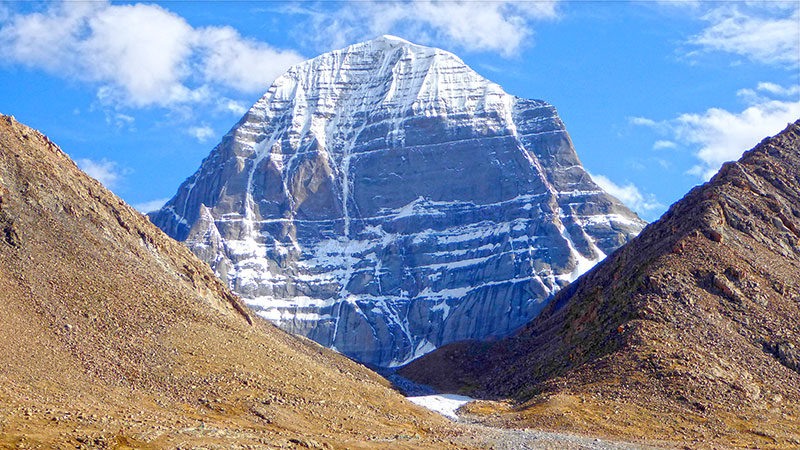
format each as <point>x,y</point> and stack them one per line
<point>385,199</point>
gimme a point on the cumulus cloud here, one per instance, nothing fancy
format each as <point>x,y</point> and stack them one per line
<point>108,173</point>
<point>244,64</point>
<point>628,194</point>
<point>202,133</point>
<point>754,34</point>
<point>501,26</point>
<point>718,135</point>
<point>150,206</point>
<point>140,55</point>
<point>723,135</point>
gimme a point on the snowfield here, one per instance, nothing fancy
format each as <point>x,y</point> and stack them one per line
<point>444,404</point>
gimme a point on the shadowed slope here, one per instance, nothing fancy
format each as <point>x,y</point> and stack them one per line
<point>690,331</point>
<point>114,336</point>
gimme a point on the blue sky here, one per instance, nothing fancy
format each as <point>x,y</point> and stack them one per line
<point>655,94</point>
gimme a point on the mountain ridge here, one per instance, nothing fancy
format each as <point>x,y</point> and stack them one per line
<point>115,336</point>
<point>689,330</point>
<point>385,199</point>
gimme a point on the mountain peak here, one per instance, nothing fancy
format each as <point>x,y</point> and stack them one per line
<point>388,42</point>
<point>394,40</point>
<point>377,196</point>
<point>387,70</point>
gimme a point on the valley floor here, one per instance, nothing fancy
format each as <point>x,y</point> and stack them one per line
<point>507,439</point>
<point>519,439</point>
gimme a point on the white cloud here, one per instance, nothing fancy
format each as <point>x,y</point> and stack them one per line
<point>501,26</point>
<point>497,26</point>
<point>231,106</point>
<point>141,48</point>
<point>108,173</point>
<point>244,64</point>
<point>152,205</point>
<point>754,34</point>
<point>119,120</point>
<point>642,121</point>
<point>766,91</point>
<point>718,135</point>
<point>722,135</point>
<point>202,133</point>
<point>660,145</point>
<point>778,90</point>
<point>140,55</point>
<point>629,194</point>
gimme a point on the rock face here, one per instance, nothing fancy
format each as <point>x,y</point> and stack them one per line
<point>689,331</point>
<point>385,199</point>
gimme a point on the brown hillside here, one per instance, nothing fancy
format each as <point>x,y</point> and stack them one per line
<point>690,332</point>
<point>114,336</point>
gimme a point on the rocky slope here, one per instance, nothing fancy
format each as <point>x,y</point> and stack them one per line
<point>385,199</point>
<point>112,335</point>
<point>690,331</point>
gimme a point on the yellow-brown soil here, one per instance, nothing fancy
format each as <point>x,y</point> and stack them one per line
<point>114,336</point>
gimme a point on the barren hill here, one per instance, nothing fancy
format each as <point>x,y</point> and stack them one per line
<point>114,336</point>
<point>691,331</point>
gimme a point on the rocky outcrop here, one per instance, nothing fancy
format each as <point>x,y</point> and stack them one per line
<point>690,331</point>
<point>385,199</point>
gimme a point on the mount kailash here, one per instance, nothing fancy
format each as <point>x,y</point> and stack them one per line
<point>385,199</point>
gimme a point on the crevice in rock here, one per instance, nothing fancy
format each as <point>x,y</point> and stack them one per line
<point>786,353</point>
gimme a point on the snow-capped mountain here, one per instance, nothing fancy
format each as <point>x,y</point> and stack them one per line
<point>385,199</point>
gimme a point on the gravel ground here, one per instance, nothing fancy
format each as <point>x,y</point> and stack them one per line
<point>500,439</point>
<point>514,439</point>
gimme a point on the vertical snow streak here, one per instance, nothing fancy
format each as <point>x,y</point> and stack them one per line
<point>582,263</point>
<point>260,152</point>
<point>347,180</point>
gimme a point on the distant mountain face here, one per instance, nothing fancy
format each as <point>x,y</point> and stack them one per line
<point>690,331</point>
<point>385,199</point>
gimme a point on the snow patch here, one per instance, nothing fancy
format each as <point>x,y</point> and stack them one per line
<point>444,404</point>
<point>444,307</point>
<point>582,264</point>
<point>423,347</point>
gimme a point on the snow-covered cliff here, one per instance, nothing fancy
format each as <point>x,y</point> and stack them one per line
<point>385,199</point>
